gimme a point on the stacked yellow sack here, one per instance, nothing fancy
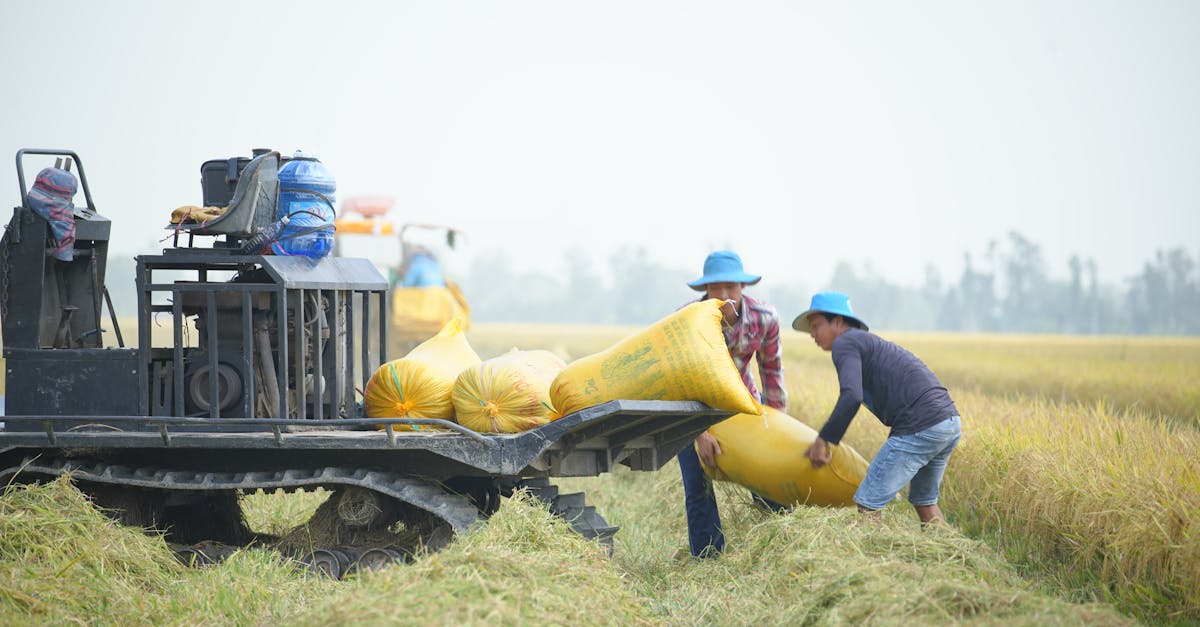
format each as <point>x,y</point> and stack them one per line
<point>766,454</point>
<point>507,394</point>
<point>419,384</point>
<point>681,357</point>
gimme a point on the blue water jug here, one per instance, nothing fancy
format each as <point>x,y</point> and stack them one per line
<point>306,197</point>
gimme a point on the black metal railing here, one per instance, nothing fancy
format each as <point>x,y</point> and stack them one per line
<point>291,342</point>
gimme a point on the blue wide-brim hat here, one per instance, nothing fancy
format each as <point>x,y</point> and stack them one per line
<point>835,303</point>
<point>723,266</point>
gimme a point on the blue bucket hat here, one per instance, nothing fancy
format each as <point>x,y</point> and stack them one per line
<point>835,303</point>
<point>723,266</point>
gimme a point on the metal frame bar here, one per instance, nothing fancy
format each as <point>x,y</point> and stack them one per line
<point>87,191</point>
<point>318,361</point>
<point>177,406</point>
<point>214,363</point>
<point>144,320</point>
<point>165,422</point>
<point>339,369</point>
<point>298,362</point>
<point>281,305</point>
<point>366,332</point>
<point>382,326</point>
<point>248,400</point>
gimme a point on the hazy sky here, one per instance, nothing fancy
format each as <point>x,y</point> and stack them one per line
<point>797,133</point>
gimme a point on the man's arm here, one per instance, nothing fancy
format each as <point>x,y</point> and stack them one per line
<point>849,368</point>
<point>848,362</point>
<point>770,367</point>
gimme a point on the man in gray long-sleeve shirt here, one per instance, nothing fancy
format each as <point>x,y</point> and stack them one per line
<point>901,391</point>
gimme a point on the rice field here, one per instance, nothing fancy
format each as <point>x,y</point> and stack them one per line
<point>1080,458</point>
<point>1074,498</point>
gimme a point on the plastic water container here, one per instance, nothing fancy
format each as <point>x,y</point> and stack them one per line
<point>306,199</point>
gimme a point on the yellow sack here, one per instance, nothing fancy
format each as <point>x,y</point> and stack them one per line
<point>419,312</point>
<point>766,454</point>
<point>507,394</point>
<point>418,385</point>
<point>679,358</point>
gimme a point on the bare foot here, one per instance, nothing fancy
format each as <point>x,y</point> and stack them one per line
<point>930,514</point>
<point>870,516</point>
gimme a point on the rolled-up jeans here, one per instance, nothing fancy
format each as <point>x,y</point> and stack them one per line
<point>917,460</point>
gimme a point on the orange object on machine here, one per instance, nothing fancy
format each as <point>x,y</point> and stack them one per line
<point>364,226</point>
<point>372,209</point>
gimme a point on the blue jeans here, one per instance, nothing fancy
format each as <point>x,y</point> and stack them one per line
<point>917,460</point>
<point>705,537</point>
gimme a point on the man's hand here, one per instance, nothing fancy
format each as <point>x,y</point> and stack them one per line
<point>818,453</point>
<point>707,449</point>
<point>729,313</point>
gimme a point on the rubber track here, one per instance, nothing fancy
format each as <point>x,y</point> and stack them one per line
<point>583,518</point>
<point>456,510</point>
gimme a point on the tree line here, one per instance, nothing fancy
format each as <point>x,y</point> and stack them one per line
<point>1007,288</point>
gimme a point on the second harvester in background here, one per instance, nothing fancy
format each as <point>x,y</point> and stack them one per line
<point>422,298</point>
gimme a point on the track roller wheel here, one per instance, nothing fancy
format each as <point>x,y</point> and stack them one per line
<point>375,559</point>
<point>324,562</point>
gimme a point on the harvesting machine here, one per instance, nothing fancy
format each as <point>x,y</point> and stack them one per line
<point>247,375</point>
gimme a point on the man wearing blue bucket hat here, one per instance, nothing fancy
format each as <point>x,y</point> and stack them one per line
<point>901,391</point>
<point>754,334</point>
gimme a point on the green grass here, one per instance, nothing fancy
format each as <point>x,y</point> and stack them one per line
<point>1093,498</point>
<point>1078,461</point>
<point>62,562</point>
<point>1105,502</point>
<point>814,565</point>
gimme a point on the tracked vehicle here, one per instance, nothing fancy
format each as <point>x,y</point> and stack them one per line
<point>247,375</point>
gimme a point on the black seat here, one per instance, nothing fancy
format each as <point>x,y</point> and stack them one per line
<point>252,207</point>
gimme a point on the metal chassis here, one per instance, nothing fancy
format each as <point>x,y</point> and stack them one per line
<point>642,435</point>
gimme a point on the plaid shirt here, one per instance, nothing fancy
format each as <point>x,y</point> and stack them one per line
<point>757,332</point>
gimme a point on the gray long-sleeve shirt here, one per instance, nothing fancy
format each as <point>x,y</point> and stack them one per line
<point>894,384</point>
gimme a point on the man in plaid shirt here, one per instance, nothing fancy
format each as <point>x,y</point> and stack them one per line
<point>755,333</point>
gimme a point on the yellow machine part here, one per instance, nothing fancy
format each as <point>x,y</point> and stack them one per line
<point>766,454</point>
<point>419,384</point>
<point>681,357</point>
<point>419,312</point>
<point>507,394</point>
<point>363,226</point>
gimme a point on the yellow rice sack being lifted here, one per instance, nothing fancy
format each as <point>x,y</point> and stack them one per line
<point>419,384</point>
<point>507,394</point>
<point>766,454</point>
<point>679,358</point>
